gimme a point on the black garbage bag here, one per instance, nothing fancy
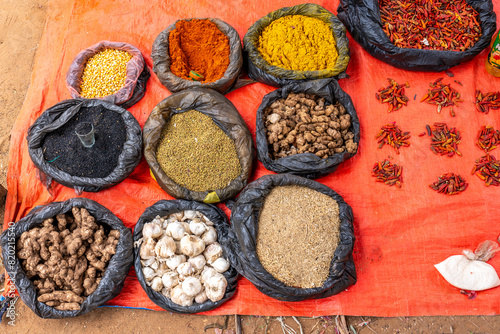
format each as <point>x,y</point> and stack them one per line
<point>244,223</point>
<point>57,116</point>
<point>259,69</point>
<point>305,164</point>
<point>362,19</point>
<point>135,83</point>
<point>113,279</point>
<point>161,61</point>
<point>224,238</point>
<point>227,118</point>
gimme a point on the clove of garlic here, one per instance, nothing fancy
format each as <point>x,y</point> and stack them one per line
<point>175,230</point>
<point>210,236</point>
<point>207,221</point>
<point>192,245</point>
<point>166,292</point>
<point>191,286</point>
<point>221,265</point>
<point>157,284</point>
<point>198,262</point>
<point>174,261</point>
<point>165,247</point>
<point>170,279</point>
<point>213,252</point>
<point>197,227</point>
<point>215,287</point>
<point>185,269</point>
<point>178,296</point>
<point>201,297</point>
<point>178,248</point>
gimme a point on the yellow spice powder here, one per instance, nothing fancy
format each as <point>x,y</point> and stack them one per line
<point>299,43</point>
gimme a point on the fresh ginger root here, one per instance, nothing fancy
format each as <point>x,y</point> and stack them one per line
<point>303,123</point>
<point>66,257</point>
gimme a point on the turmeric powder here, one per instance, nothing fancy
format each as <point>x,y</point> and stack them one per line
<point>198,45</point>
<point>299,43</point>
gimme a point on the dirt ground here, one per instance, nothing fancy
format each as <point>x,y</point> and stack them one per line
<point>21,26</point>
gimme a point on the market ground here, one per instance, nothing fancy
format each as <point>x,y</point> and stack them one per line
<point>21,26</point>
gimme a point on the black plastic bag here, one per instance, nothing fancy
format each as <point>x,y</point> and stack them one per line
<point>362,19</point>
<point>244,223</point>
<point>58,115</point>
<point>113,279</point>
<point>135,83</point>
<point>259,69</point>
<point>305,164</point>
<point>224,238</point>
<point>225,116</point>
<point>161,61</point>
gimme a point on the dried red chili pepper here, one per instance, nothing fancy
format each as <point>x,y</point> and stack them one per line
<point>394,95</point>
<point>445,141</point>
<point>442,95</point>
<point>451,25</point>
<point>487,168</point>
<point>392,134</point>
<point>449,184</point>
<point>488,138</point>
<point>487,101</point>
<point>388,173</point>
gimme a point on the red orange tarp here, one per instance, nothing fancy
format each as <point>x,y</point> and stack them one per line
<point>401,233</point>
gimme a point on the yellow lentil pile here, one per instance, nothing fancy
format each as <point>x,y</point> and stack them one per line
<point>104,73</point>
<point>196,154</point>
<point>299,43</point>
<point>298,233</point>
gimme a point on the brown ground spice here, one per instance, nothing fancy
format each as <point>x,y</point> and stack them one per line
<point>298,233</point>
<point>196,154</point>
<point>200,46</point>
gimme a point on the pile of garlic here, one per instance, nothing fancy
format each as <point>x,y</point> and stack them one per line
<point>181,258</point>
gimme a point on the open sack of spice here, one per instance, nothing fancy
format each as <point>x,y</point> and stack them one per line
<point>70,257</point>
<point>469,271</point>
<point>302,42</point>
<point>88,145</point>
<point>307,128</point>
<point>110,71</point>
<point>294,238</point>
<point>197,53</point>
<point>420,35</point>
<point>182,256</point>
<point>198,146</point>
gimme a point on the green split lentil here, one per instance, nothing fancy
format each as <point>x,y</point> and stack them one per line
<point>104,73</point>
<point>196,154</point>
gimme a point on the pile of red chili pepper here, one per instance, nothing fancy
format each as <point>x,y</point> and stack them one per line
<point>487,169</point>
<point>445,140</point>
<point>487,101</point>
<point>391,134</point>
<point>449,184</point>
<point>488,138</point>
<point>394,95</point>
<point>388,173</point>
<point>442,95</point>
<point>447,25</point>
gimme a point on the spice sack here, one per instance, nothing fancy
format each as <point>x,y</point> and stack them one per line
<point>113,275</point>
<point>363,20</point>
<point>307,207</point>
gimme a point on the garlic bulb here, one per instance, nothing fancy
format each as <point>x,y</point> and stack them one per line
<point>147,250</point>
<point>152,230</point>
<point>185,269</point>
<point>210,236</point>
<point>213,252</point>
<point>174,261</point>
<point>165,247</point>
<point>186,227</point>
<point>207,273</point>
<point>197,227</point>
<point>176,216</point>
<point>148,262</point>
<point>178,296</point>
<point>221,265</point>
<point>162,268</point>
<point>149,273</point>
<point>215,287</point>
<point>192,245</point>
<point>170,279</point>
<point>155,265</point>
<point>166,292</point>
<point>198,262</point>
<point>191,286</point>
<point>201,297</point>
<point>207,221</point>
<point>189,214</point>
<point>157,284</point>
<point>175,230</point>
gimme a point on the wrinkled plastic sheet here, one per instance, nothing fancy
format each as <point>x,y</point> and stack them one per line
<point>400,233</point>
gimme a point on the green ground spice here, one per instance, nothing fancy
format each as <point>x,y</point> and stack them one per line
<point>196,154</point>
